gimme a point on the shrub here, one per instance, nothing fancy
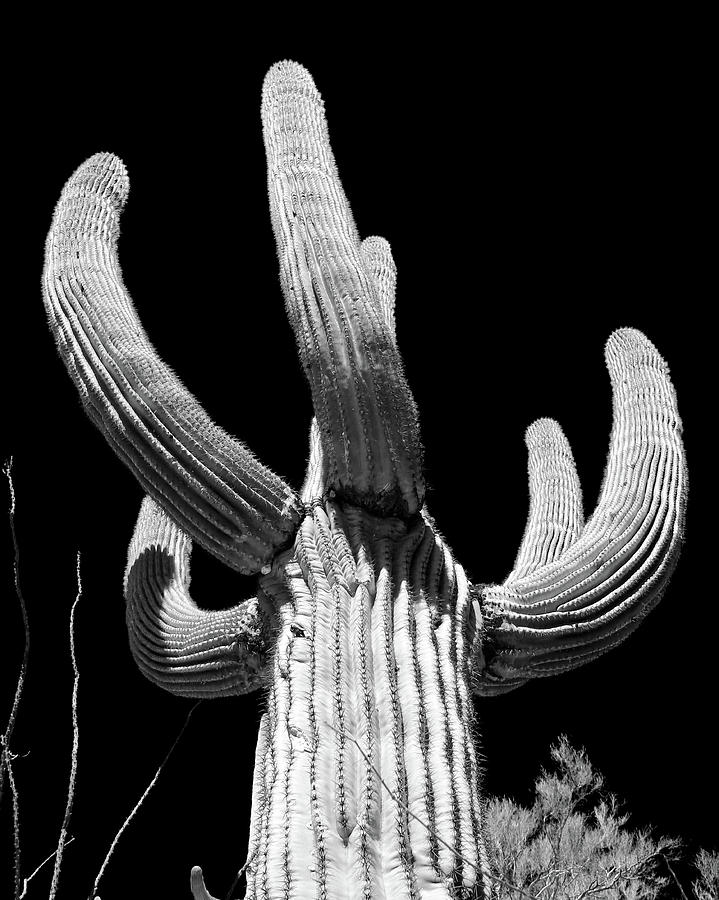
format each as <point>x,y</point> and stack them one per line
<point>573,842</point>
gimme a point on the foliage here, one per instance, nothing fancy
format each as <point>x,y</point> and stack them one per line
<point>573,843</point>
<point>706,887</point>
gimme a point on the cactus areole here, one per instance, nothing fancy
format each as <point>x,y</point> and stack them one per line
<point>365,628</point>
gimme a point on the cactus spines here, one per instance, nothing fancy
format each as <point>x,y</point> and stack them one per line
<point>365,629</point>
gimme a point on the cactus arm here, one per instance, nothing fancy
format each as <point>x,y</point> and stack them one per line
<point>579,604</point>
<point>197,885</point>
<point>365,411</point>
<point>184,649</point>
<point>210,484</point>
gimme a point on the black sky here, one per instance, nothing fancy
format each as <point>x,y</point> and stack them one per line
<point>533,205</point>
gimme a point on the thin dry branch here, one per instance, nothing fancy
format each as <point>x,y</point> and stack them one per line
<point>674,877</point>
<point>141,800</point>
<point>6,755</point>
<point>7,763</point>
<point>26,881</point>
<point>228,895</point>
<point>61,843</point>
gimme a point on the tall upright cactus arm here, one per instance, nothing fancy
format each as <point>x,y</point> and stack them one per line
<point>579,589</point>
<point>208,482</point>
<point>381,268</point>
<point>342,320</point>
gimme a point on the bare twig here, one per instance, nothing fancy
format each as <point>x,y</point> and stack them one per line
<point>512,887</point>
<point>674,876</point>
<point>142,798</point>
<point>75,738</point>
<point>26,881</point>
<point>596,886</point>
<point>7,763</point>
<point>6,756</point>
<point>239,875</point>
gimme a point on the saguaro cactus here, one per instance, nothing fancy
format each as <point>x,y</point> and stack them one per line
<point>364,626</point>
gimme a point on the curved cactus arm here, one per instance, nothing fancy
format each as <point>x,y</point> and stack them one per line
<point>184,649</point>
<point>551,618</point>
<point>366,414</point>
<point>555,499</point>
<point>207,481</point>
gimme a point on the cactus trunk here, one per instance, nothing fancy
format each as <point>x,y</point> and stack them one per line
<point>366,777</point>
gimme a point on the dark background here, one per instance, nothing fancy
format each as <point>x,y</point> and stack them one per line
<point>534,202</point>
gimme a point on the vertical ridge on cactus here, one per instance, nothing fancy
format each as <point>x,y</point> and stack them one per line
<point>367,633</point>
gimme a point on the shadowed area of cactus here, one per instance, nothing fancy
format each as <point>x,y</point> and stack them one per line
<point>365,632</point>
